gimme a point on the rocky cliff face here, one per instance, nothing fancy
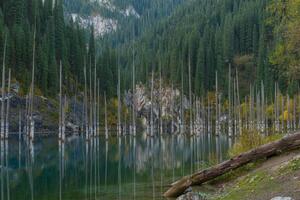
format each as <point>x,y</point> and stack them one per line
<point>45,113</point>
<point>104,15</point>
<point>166,103</point>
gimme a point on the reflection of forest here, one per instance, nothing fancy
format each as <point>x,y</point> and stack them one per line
<point>83,164</point>
<point>175,149</point>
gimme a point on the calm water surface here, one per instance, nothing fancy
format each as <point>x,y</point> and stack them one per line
<point>120,168</point>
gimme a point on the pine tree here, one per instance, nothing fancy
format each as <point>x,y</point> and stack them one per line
<point>52,64</point>
<point>59,31</point>
<point>92,51</point>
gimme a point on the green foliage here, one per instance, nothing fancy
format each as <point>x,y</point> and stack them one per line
<point>56,41</point>
<point>247,185</point>
<point>261,181</point>
<point>284,19</point>
<point>169,35</point>
<point>293,165</point>
<point>206,34</point>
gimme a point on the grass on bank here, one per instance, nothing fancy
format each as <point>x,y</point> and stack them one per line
<point>244,181</point>
<point>260,182</point>
<point>251,139</point>
<point>247,141</point>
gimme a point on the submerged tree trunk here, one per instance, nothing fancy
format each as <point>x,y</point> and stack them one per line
<point>7,105</point>
<point>60,102</point>
<point>181,102</point>
<point>95,102</point>
<point>217,106</point>
<point>152,102</point>
<point>85,126</point>
<point>289,142</point>
<point>119,102</point>
<point>229,102</point>
<point>190,98</point>
<point>105,113</point>
<point>133,96</point>
<point>31,102</point>
<point>160,103</point>
<point>3,90</point>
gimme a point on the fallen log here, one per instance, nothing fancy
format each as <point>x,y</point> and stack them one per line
<point>287,143</point>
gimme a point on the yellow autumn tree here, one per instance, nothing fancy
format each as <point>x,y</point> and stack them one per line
<point>284,18</point>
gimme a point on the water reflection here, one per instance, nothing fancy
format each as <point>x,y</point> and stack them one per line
<point>29,165</point>
<point>61,162</point>
<point>3,169</point>
<point>119,168</point>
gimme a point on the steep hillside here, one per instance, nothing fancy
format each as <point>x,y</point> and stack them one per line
<point>109,15</point>
<point>104,15</point>
<point>41,24</point>
<point>207,35</point>
<point>166,35</point>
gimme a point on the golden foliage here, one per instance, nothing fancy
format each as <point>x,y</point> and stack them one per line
<point>284,17</point>
<point>242,60</point>
<point>250,139</point>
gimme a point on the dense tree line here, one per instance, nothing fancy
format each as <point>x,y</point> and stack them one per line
<point>57,41</point>
<point>209,35</point>
<point>284,22</point>
<point>252,36</point>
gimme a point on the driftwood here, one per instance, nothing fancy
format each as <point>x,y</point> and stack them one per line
<point>287,143</point>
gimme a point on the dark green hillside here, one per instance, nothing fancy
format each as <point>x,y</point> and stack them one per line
<point>56,40</point>
<point>207,34</point>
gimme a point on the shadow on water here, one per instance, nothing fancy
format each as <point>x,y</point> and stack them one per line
<point>120,168</point>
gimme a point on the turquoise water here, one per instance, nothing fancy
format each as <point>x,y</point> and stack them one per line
<point>121,168</point>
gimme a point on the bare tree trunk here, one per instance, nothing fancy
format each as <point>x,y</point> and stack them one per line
<point>217,105</point>
<point>98,109</point>
<point>251,104</point>
<point>258,115</point>
<point>26,118</point>
<point>119,102</point>
<point>172,110</point>
<point>20,126</point>
<point>238,103</point>
<point>277,128</point>
<point>3,91</point>
<point>294,114</point>
<point>234,108</point>
<point>152,103</point>
<point>229,103</point>
<point>95,102</point>
<point>288,125</point>
<point>105,111</point>
<point>60,103</point>
<point>282,119</point>
<point>86,127</point>
<point>160,102</point>
<point>263,120</point>
<point>90,102</point>
<point>7,105</point>
<point>133,97</point>
<point>32,90</point>
<point>190,98</point>
<point>182,125</point>
<point>63,128</point>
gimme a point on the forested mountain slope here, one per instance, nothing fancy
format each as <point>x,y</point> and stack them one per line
<point>209,35</point>
<point>257,37</point>
<point>119,14</point>
<point>56,41</point>
<point>61,38</point>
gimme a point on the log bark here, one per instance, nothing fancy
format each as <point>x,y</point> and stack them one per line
<point>287,143</point>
